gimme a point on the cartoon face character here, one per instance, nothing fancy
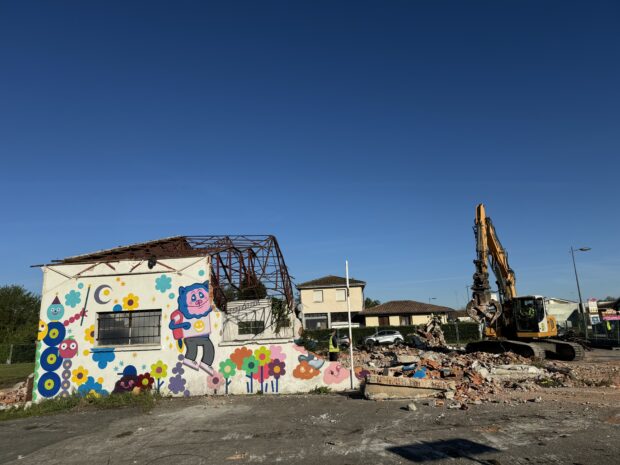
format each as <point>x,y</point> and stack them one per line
<point>194,301</point>
<point>56,310</point>
<point>42,330</point>
<point>68,348</point>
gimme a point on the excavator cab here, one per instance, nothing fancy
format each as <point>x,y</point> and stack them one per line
<point>531,317</point>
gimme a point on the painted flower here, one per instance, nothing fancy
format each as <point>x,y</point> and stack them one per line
<point>277,352</point>
<point>176,384</point>
<point>159,370</point>
<point>163,283</point>
<point>73,298</point>
<point>263,355</point>
<point>89,334</point>
<point>103,356</point>
<point>335,373</point>
<point>250,365</point>
<point>215,380</point>
<point>80,374</point>
<point>305,371</point>
<point>239,355</point>
<point>227,368</point>
<point>131,302</point>
<point>145,381</point>
<point>262,371</point>
<point>276,368</point>
<point>92,388</point>
<point>361,373</point>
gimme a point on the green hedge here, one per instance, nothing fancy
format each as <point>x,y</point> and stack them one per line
<point>466,331</point>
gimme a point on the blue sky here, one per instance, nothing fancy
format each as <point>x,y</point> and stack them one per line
<point>359,130</point>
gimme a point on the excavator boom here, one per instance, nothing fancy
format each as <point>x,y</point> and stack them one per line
<point>489,251</point>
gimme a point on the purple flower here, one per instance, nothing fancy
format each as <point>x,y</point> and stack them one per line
<point>176,384</point>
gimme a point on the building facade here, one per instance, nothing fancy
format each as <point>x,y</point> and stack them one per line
<point>403,313</point>
<point>113,325</point>
<point>324,301</point>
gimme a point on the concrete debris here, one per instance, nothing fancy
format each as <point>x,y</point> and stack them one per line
<point>460,379</point>
<point>19,394</point>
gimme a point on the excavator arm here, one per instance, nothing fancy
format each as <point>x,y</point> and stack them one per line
<point>489,251</point>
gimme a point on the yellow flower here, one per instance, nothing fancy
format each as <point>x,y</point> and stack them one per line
<point>158,369</point>
<point>80,375</point>
<point>89,334</point>
<point>263,355</point>
<point>131,302</point>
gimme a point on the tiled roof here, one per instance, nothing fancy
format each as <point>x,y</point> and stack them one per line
<point>405,307</point>
<point>330,281</point>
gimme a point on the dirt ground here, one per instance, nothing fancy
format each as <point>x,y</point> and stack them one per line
<point>548,426</point>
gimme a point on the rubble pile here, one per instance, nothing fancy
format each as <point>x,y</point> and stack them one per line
<point>431,336</point>
<point>18,394</point>
<point>465,378</point>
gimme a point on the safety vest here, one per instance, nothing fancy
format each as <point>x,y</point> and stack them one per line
<point>332,347</point>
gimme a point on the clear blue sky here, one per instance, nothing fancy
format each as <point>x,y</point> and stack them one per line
<point>359,130</point>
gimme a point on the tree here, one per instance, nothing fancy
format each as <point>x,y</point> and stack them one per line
<point>251,289</point>
<point>19,315</point>
<point>368,302</point>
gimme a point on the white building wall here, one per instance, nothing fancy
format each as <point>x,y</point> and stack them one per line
<point>71,359</point>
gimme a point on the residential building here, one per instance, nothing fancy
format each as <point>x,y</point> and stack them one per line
<point>324,301</point>
<point>403,313</point>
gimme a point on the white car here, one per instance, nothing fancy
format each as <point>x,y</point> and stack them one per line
<point>384,337</point>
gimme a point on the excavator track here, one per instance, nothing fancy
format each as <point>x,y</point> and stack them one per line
<point>499,346</point>
<point>567,351</point>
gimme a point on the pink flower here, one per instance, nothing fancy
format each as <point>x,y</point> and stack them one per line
<point>277,353</point>
<point>215,380</point>
<point>335,373</point>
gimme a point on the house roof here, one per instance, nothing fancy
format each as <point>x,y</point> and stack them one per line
<point>330,281</point>
<point>405,307</point>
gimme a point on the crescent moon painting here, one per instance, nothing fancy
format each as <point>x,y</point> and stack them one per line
<point>103,289</point>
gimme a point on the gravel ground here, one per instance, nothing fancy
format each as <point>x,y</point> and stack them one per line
<point>560,428</point>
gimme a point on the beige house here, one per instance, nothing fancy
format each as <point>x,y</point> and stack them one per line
<point>403,313</point>
<point>324,301</point>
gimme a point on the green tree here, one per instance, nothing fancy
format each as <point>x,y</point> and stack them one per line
<point>368,302</point>
<point>251,289</point>
<point>19,315</point>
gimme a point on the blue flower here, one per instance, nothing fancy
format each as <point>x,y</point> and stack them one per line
<point>103,356</point>
<point>90,387</point>
<point>163,283</point>
<point>73,298</point>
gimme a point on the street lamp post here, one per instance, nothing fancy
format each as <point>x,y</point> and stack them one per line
<point>581,309</point>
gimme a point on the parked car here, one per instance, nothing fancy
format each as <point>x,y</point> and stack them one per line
<point>384,337</point>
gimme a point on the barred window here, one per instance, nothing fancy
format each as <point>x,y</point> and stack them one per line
<point>251,327</point>
<point>129,328</point>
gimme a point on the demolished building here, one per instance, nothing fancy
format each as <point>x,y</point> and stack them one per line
<point>186,315</point>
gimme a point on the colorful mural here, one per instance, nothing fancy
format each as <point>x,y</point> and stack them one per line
<point>188,355</point>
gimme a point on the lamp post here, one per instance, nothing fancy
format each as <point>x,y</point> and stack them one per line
<point>581,309</point>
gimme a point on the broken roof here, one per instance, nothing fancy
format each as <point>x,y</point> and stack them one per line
<point>404,307</point>
<point>330,281</point>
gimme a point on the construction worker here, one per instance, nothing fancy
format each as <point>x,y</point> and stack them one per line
<point>334,350</point>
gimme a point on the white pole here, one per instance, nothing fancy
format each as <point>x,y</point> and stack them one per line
<point>349,316</point>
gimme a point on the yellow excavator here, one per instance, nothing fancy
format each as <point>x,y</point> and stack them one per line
<point>520,324</point>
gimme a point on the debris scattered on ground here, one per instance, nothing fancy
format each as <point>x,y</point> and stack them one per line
<point>457,379</point>
<point>17,395</point>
